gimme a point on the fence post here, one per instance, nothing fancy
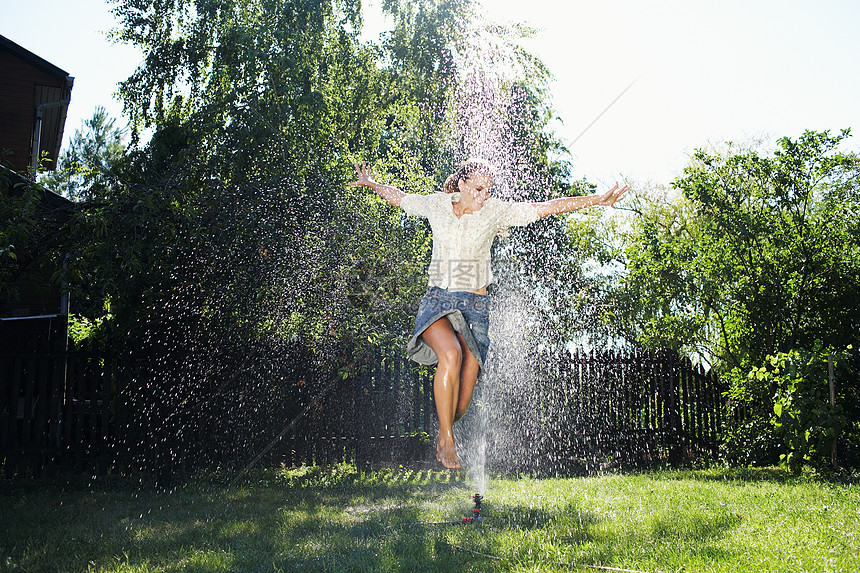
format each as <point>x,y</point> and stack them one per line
<point>359,428</point>
<point>832,380</point>
<point>673,407</point>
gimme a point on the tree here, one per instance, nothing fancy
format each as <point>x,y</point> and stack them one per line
<point>226,250</point>
<point>83,170</point>
<point>276,99</point>
<point>757,257</point>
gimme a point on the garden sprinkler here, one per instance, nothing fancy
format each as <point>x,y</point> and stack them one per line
<point>476,511</point>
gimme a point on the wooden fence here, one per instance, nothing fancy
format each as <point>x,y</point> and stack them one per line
<point>32,382</point>
<point>625,409</point>
<point>575,412</point>
<point>77,412</point>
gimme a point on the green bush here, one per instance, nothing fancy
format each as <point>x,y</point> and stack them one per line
<point>803,415</point>
<point>780,412</point>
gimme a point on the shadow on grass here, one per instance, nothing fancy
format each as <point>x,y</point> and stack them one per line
<point>340,519</point>
<point>205,527</point>
<point>695,534</point>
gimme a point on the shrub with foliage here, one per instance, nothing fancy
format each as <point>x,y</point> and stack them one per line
<point>803,425</point>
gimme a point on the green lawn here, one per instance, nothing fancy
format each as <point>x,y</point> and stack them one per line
<point>336,519</point>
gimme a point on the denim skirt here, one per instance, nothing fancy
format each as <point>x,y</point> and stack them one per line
<point>469,314</point>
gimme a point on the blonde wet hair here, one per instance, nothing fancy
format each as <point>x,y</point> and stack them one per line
<point>466,170</point>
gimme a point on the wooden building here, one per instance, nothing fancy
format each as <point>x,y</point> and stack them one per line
<point>34,100</point>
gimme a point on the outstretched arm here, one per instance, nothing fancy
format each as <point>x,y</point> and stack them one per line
<point>568,204</point>
<point>392,195</point>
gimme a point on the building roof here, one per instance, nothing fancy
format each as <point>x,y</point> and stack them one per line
<point>33,59</point>
<point>28,82</point>
<point>14,184</point>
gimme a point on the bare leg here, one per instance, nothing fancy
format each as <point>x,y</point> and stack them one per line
<point>468,377</point>
<point>453,384</point>
<point>442,338</point>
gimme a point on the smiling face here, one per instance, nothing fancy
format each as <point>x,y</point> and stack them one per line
<point>476,189</point>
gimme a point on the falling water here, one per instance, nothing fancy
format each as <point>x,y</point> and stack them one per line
<point>495,427</point>
<point>519,420</point>
<point>495,433</point>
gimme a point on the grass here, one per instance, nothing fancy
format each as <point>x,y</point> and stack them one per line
<point>338,519</point>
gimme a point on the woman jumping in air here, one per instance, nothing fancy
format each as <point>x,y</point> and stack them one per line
<point>453,319</point>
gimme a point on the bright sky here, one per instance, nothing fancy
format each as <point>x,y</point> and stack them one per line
<point>704,71</point>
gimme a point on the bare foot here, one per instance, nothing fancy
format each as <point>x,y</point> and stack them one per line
<point>447,454</point>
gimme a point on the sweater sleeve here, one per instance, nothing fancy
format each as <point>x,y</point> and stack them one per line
<point>417,204</point>
<point>519,214</point>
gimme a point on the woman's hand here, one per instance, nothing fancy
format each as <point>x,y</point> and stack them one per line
<point>365,177</point>
<point>391,194</point>
<point>612,196</point>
